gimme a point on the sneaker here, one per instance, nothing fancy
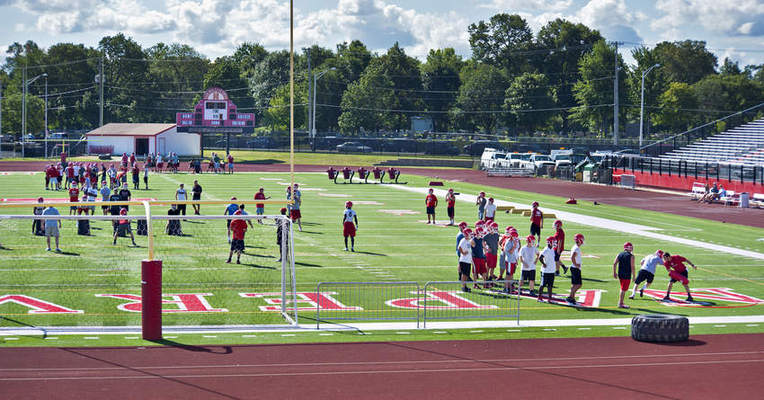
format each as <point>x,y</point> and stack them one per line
<point>667,298</point>
<point>557,273</point>
<point>564,269</point>
<point>48,249</point>
<point>134,244</point>
<point>540,299</point>
<point>346,249</point>
<point>58,250</point>
<point>641,292</point>
<point>114,242</point>
<point>623,306</point>
<point>631,297</point>
<point>228,261</point>
<point>533,292</point>
<point>465,289</point>
<point>690,299</point>
<point>279,260</point>
<point>352,249</point>
<point>238,261</point>
<point>570,300</point>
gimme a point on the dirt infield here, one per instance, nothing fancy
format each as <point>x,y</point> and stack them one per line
<point>613,368</point>
<point>645,200</point>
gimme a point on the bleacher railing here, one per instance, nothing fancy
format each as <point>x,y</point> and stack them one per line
<point>700,132</point>
<point>682,168</point>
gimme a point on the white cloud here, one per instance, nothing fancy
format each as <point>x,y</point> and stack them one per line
<point>740,17</point>
<point>527,5</point>
<point>68,16</point>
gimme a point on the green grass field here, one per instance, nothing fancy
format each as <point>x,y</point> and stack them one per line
<point>390,247</point>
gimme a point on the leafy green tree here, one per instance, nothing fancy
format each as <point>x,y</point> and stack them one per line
<point>267,76</point>
<point>440,78</point>
<point>498,41</point>
<point>686,61</point>
<point>730,67</point>
<point>125,64</point>
<point>247,55</point>
<point>175,71</point>
<point>530,100</point>
<point>566,43</point>
<point>12,114</point>
<point>727,93</point>
<point>594,92</point>
<point>480,100</point>
<point>656,83</point>
<point>678,105</point>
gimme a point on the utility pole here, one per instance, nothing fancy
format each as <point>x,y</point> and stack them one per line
<point>615,98</point>
<point>310,111</point>
<point>1,110</point>
<point>23,108</point>
<point>46,116</point>
<point>100,81</point>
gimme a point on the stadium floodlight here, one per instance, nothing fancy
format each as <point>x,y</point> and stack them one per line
<point>315,89</point>
<point>24,108</point>
<point>642,104</point>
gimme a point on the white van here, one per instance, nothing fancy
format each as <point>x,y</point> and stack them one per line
<point>490,158</point>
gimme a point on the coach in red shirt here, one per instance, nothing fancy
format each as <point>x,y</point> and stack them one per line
<point>677,272</point>
<point>431,202</point>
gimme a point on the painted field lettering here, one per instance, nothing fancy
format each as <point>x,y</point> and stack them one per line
<point>37,306</point>
<point>185,302</point>
<point>448,300</point>
<point>310,300</point>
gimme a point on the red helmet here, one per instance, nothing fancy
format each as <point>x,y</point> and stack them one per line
<point>348,204</point>
<point>123,211</point>
<point>480,222</point>
<point>490,199</point>
<point>659,253</point>
<point>463,225</point>
<point>40,199</point>
<point>480,232</point>
<point>551,239</point>
<point>468,233</point>
<point>578,237</point>
<point>558,224</point>
<point>535,204</point>
<point>450,190</point>
<point>509,229</point>
<point>494,226</point>
<point>530,238</point>
<point>482,193</point>
<point>514,234</point>
<point>628,246</point>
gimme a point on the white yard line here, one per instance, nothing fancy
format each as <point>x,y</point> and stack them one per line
<point>363,326</point>
<point>618,226</point>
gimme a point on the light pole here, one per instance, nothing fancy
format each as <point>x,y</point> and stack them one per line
<point>642,104</point>
<point>46,115</point>
<point>315,89</point>
<point>24,109</point>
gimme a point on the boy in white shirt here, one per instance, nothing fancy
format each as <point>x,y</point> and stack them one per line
<point>511,247</point>
<point>575,267</point>
<point>465,258</point>
<point>529,256</point>
<point>548,267</point>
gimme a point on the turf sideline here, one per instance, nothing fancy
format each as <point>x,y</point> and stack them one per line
<point>363,326</point>
<point>618,226</point>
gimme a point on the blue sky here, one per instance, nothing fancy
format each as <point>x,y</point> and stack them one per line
<point>732,28</point>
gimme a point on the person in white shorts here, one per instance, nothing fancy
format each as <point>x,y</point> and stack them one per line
<point>465,258</point>
<point>647,272</point>
<point>548,268</point>
<point>511,252</point>
<point>529,256</point>
<point>52,226</point>
<point>575,267</point>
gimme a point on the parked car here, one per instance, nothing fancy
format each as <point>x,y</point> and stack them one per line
<point>353,147</point>
<point>513,160</point>
<point>262,142</point>
<point>540,160</point>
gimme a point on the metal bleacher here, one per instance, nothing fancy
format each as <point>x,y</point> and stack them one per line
<point>740,145</point>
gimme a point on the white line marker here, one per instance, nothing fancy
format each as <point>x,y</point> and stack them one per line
<point>325,334</point>
<point>751,324</point>
<point>402,333</point>
<point>513,330</point>
<point>248,336</point>
<point>720,326</point>
<point>170,337</point>
<point>619,327</point>
<point>51,338</point>
<point>584,329</point>
<point>209,336</point>
<point>11,338</point>
<point>439,332</point>
<point>549,329</point>
<point>476,331</point>
<point>91,338</point>
<point>288,334</point>
<point>131,337</point>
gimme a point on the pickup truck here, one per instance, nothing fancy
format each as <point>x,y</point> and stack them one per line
<point>514,160</point>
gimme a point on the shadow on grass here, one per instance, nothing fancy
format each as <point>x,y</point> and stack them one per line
<point>254,247</point>
<point>312,233</point>
<point>69,253</point>
<point>593,280</point>
<point>308,265</point>
<point>257,255</point>
<point>5,248</point>
<point>371,253</point>
<point>258,266</point>
<point>263,161</point>
<point>44,332</point>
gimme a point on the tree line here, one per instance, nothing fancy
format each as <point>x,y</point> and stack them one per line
<point>558,80</point>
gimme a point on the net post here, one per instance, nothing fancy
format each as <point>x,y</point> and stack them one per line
<point>149,229</point>
<point>151,299</point>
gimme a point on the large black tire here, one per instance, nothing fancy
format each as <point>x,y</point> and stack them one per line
<point>660,328</point>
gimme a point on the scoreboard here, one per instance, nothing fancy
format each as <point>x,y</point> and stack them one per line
<point>215,113</point>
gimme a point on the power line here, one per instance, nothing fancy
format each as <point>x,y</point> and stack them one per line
<point>462,111</point>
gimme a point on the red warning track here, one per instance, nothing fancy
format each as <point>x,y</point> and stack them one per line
<point>662,202</point>
<point>711,366</point>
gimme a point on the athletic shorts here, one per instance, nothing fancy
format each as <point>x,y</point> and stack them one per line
<point>73,208</point>
<point>230,166</point>
<point>625,283</point>
<point>348,229</point>
<point>679,276</point>
<point>529,275</point>
<point>512,268</point>
<point>295,214</point>
<point>487,218</point>
<point>260,210</point>
<point>123,229</point>
<point>430,210</point>
<point>547,279</point>
<point>575,276</point>
<point>557,255</point>
<point>479,265</point>
<point>535,230</point>
<point>490,260</point>
<point>644,275</point>
<point>51,230</point>
<point>196,197</point>
<point>464,269</point>
<point>237,245</point>
<point>450,211</point>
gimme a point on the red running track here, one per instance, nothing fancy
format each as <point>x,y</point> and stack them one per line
<point>711,366</point>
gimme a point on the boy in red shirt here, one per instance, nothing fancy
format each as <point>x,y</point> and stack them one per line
<point>74,196</point>
<point>537,221</point>
<point>559,235</point>
<point>260,207</point>
<point>239,229</point>
<point>677,272</point>
<point>431,202</point>
<point>450,202</point>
